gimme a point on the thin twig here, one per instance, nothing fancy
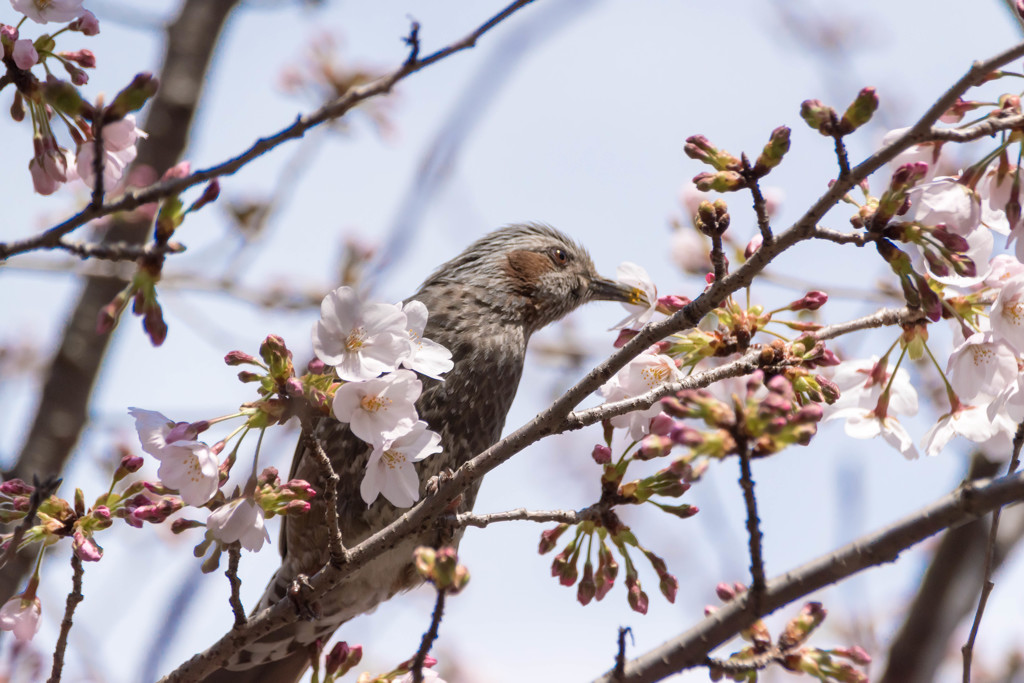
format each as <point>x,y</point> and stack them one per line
<point>50,238</point>
<point>118,251</point>
<point>518,515</point>
<point>413,41</point>
<point>620,654</point>
<point>718,256</point>
<point>41,491</point>
<point>761,210</point>
<point>99,162</point>
<point>429,637</point>
<point>858,238</point>
<point>753,521</point>
<point>234,554</point>
<point>74,597</point>
<point>842,158</point>
<point>990,552</point>
<point>339,555</point>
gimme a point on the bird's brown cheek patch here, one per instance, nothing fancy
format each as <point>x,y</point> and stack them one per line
<point>525,269</point>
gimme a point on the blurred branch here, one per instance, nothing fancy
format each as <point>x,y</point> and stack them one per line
<point>947,593</point>
<point>690,649</point>
<point>990,561</point>
<point>50,239</point>
<point>62,411</point>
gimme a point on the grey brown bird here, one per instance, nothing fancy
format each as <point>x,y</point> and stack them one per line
<point>483,306</point>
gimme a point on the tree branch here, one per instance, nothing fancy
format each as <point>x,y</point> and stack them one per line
<point>690,649</point>
<point>74,597</point>
<point>50,239</point>
<point>987,585</point>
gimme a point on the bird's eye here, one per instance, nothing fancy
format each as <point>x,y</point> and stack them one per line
<point>559,256</point>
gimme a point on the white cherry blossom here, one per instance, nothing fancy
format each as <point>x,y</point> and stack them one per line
<point>239,520</point>
<point>44,11</point>
<point>945,201</point>
<point>425,356</point>
<point>632,275</point>
<point>21,617</point>
<point>642,374</point>
<point>189,466</point>
<point>981,366</point>
<point>361,340</point>
<point>379,410</point>
<point>390,471</point>
<point>970,422</point>
<point>864,423</point>
<point>1007,314</point>
<point>861,383</point>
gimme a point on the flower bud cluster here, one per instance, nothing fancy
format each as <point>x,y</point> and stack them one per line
<point>789,648</point>
<point>592,538</point>
<point>441,568</point>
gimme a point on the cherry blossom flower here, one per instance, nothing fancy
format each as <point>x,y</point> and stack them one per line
<point>641,312</point>
<point>239,520</point>
<point>642,374</point>
<point>928,153</point>
<point>45,11</point>
<point>945,201</point>
<point>981,366</point>
<point>995,189</point>
<point>865,423</point>
<point>970,422</point>
<point>119,140</point>
<point>861,383</point>
<point>1004,269</point>
<point>186,465</point>
<point>20,615</point>
<point>390,470</point>
<point>49,167</point>
<point>361,340</point>
<point>425,356</point>
<point>379,410</point>
<point>24,54</point>
<point>1007,314</point>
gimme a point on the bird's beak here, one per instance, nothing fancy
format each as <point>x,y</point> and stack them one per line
<point>609,290</point>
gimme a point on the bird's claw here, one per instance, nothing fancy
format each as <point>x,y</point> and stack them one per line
<point>299,591</point>
<point>434,483</point>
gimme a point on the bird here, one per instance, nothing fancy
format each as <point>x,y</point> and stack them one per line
<point>483,305</point>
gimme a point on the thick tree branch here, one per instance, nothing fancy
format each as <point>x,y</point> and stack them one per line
<point>690,649</point>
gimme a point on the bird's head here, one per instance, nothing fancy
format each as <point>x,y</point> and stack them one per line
<point>532,273</point>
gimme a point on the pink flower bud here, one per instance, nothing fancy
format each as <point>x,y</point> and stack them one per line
<point>24,54</point>
<point>624,336</point>
<point>662,424</point>
<point>16,487</point>
<point>811,301</point>
<point>179,170</point>
<point>601,454</point>
<point>670,303</point>
<point>85,548</point>
<point>131,463</point>
<point>87,24</point>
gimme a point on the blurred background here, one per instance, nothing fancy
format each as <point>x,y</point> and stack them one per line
<point>574,113</point>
